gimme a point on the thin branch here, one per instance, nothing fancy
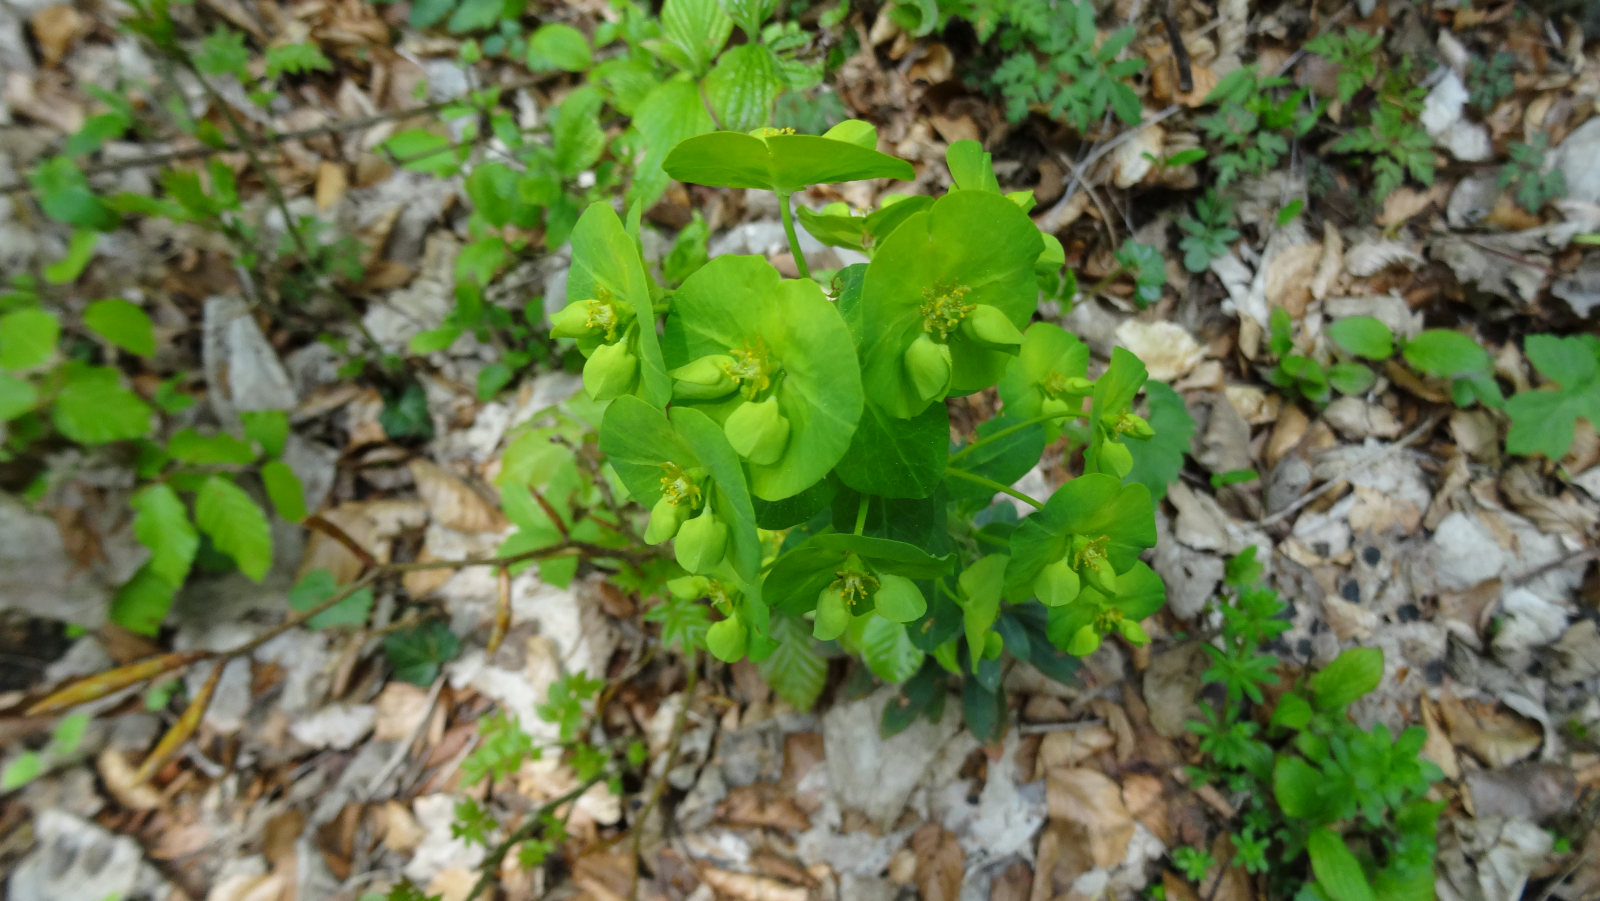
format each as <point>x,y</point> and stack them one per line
<point>674,739</point>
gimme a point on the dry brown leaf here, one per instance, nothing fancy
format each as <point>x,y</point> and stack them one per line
<point>1289,275</point>
<point>1145,798</point>
<point>1438,747</point>
<point>1402,204</point>
<point>400,830</point>
<point>940,863</point>
<point>1072,746</point>
<point>453,883</point>
<point>452,502</point>
<point>1167,348</point>
<point>763,805</point>
<point>331,185</point>
<point>57,28</point>
<point>1331,263</point>
<point>1132,160</point>
<point>1286,434</point>
<point>401,707</point>
<point>1089,800</point>
<point>1171,685</point>
<point>1495,736</point>
<point>118,776</point>
<point>743,887</point>
<point>256,887</point>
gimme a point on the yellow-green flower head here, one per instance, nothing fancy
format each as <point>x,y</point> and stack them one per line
<point>927,368</point>
<point>707,378</point>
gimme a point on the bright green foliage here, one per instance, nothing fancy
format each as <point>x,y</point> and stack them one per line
<point>1052,61</point>
<point>1490,80</point>
<point>1149,270</point>
<point>563,706</point>
<point>1251,126</point>
<point>1354,54</point>
<point>235,525</point>
<point>27,339</point>
<point>319,586</point>
<point>1393,138</point>
<point>296,59</point>
<point>1330,811</point>
<point>557,45</point>
<point>223,52</point>
<point>122,323</point>
<point>1158,461</point>
<point>1544,421</point>
<point>1532,182</point>
<point>29,765</point>
<point>93,407</point>
<point>1193,862</point>
<point>1364,336</point>
<point>417,653</point>
<point>1206,238</point>
<point>788,410</point>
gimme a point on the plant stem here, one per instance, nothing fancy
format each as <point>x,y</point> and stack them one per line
<point>991,483</point>
<point>529,826</point>
<point>1011,430</point>
<point>861,515</point>
<point>794,240</point>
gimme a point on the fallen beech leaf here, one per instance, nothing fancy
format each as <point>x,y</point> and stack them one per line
<point>331,185</point>
<point>452,502</point>
<point>763,804</point>
<point>1497,738</point>
<point>183,728</point>
<point>1089,800</point>
<point>56,28</point>
<point>751,888</point>
<point>940,863</point>
<point>1168,350</point>
<point>118,776</point>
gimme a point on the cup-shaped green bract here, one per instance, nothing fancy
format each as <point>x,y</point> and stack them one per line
<point>968,257</point>
<point>787,345</point>
<point>1094,523</point>
<point>609,309</point>
<point>1078,627</point>
<point>1047,377</point>
<point>679,464</point>
<point>728,639</point>
<point>702,542</point>
<point>1111,418</point>
<point>899,599</point>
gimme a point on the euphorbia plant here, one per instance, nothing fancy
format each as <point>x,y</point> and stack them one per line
<point>792,438</point>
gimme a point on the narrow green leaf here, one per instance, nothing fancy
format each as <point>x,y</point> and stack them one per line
<point>284,490</point>
<point>1337,870</point>
<point>1352,674</point>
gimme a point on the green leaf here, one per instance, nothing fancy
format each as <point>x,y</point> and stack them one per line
<point>782,163</point>
<point>68,734</point>
<point>190,446</point>
<point>318,586</point>
<point>1158,461</point>
<point>557,45</point>
<point>698,28</point>
<point>575,132</point>
<point>64,194</point>
<point>605,259</point>
<point>284,490</point>
<point>1446,354</point>
<point>1092,505</point>
<point>296,59</point>
<point>980,600</point>
<point>1364,336</point>
<point>269,429</point>
<point>886,649</point>
<point>1295,786</point>
<point>1545,421</point>
<point>1350,378</point>
<point>797,332</point>
<point>19,772</point>
<point>423,151</point>
<point>1003,460</point>
<point>796,669</point>
<point>970,167</point>
<point>418,653</point>
<point>235,525</point>
<point>16,397</point>
<point>141,604</point>
<point>27,338</point>
<point>1338,872</point>
<point>161,523</point>
<point>897,457</point>
<point>79,252</point>
<point>1293,712</point>
<point>122,323</point>
<point>1352,674</point>
<point>434,339</point>
<point>671,113</point>
<point>93,407</point>
<point>743,85</point>
<point>426,13</point>
<point>932,256</point>
<point>707,442</point>
<point>984,710</point>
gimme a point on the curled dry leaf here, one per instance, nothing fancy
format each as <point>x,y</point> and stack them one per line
<point>742,887</point>
<point>1088,800</point>
<point>119,778</point>
<point>1498,738</point>
<point>1134,158</point>
<point>939,863</point>
<point>98,686</point>
<point>182,729</point>
<point>1168,350</point>
<point>56,28</point>
<point>452,502</point>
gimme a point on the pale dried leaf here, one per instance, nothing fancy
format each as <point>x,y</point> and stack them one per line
<point>1370,257</point>
<point>1168,350</point>
<point>119,778</point>
<point>939,863</point>
<point>1089,800</point>
<point>1496,737</point>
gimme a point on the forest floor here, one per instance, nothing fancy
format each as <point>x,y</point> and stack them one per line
<point>1388,516</point>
